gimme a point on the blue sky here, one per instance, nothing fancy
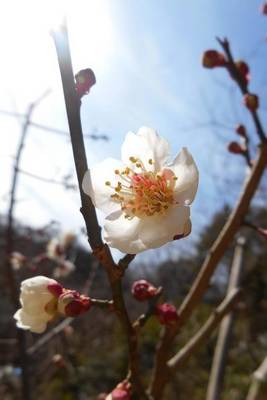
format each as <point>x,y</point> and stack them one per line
<point>146,55</point>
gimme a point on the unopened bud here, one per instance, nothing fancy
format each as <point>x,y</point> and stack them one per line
<point>72,303</point>
<point>121,392</point>
<point>143,290</point>
<point>236,148</point>
<point>167,314</point>
<point>84,79</point>
<point>213,59</point>
<point>243,70</point>
<point>241,130</point>
<point>251,101</point>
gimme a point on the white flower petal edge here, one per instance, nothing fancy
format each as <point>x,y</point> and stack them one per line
<point>136,235</point>
<point>94,184</point>
<point>146,200</point>
<point>185,169</point>
<point>34,298</point>
<point>146,145</point>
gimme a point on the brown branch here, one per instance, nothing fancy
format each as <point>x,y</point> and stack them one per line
<point>225,237</point>
<point>204,333</point>
<point>160,374</point>
<point>215,386</point>
<point>201,283</point>
<point>101,251</point>
<point>242,85</point>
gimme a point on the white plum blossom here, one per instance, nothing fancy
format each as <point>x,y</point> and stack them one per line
<point>38,299</point>
<point>145,198</point>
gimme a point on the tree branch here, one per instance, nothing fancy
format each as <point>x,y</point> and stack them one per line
<point>220,354</point>
<point>258,388</point>
<point>101,251</point>
<point>204,333</point>
<point>242,86</point>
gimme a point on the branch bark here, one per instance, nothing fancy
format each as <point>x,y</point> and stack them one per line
<point>100,250</point>
<point>258,388</point>
<point>160,374</point>
<point>180,359</point>
<point>219,360</point>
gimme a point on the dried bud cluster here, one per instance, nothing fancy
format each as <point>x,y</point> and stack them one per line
<point>143,290</point>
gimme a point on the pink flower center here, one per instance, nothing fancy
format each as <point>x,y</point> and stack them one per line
<point>146,193</point>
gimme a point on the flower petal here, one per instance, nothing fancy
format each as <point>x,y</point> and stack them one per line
<point>122,233</point>
<point>158,230</point>
<point>94,184</point>
<point>186,171</point>
<point>146,145</point>
<point>34,324</point>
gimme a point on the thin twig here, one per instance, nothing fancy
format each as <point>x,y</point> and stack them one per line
<point>42,127</point>
<point>11,280</point>
<point>258,388</point>
<point>48,180</point>
<point>204,333</point>
<point>215,385</point>
<point>242,85</point>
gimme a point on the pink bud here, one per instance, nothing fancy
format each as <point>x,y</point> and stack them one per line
<point>143,290</point>
<point>213,59</point>
<point>236,148</point>
<point>85,79</point>
<point>120,394</point>
<point>243,70</point>
<point>72,303</point>
<point>167,314</point>
<point>241,130</point>
<point>251,101</point>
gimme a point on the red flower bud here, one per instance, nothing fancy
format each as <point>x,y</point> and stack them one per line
<point>84,79</point>
<point>236,148</point>
<point>251,101</point>
<point>264,9</point>
<point>55,288</point>
<point>72,303</point>
<point>167,314</point>
<point>143,290</point>
<point>241,130</point>
<point>213,59</point>
<point>243,70</point>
